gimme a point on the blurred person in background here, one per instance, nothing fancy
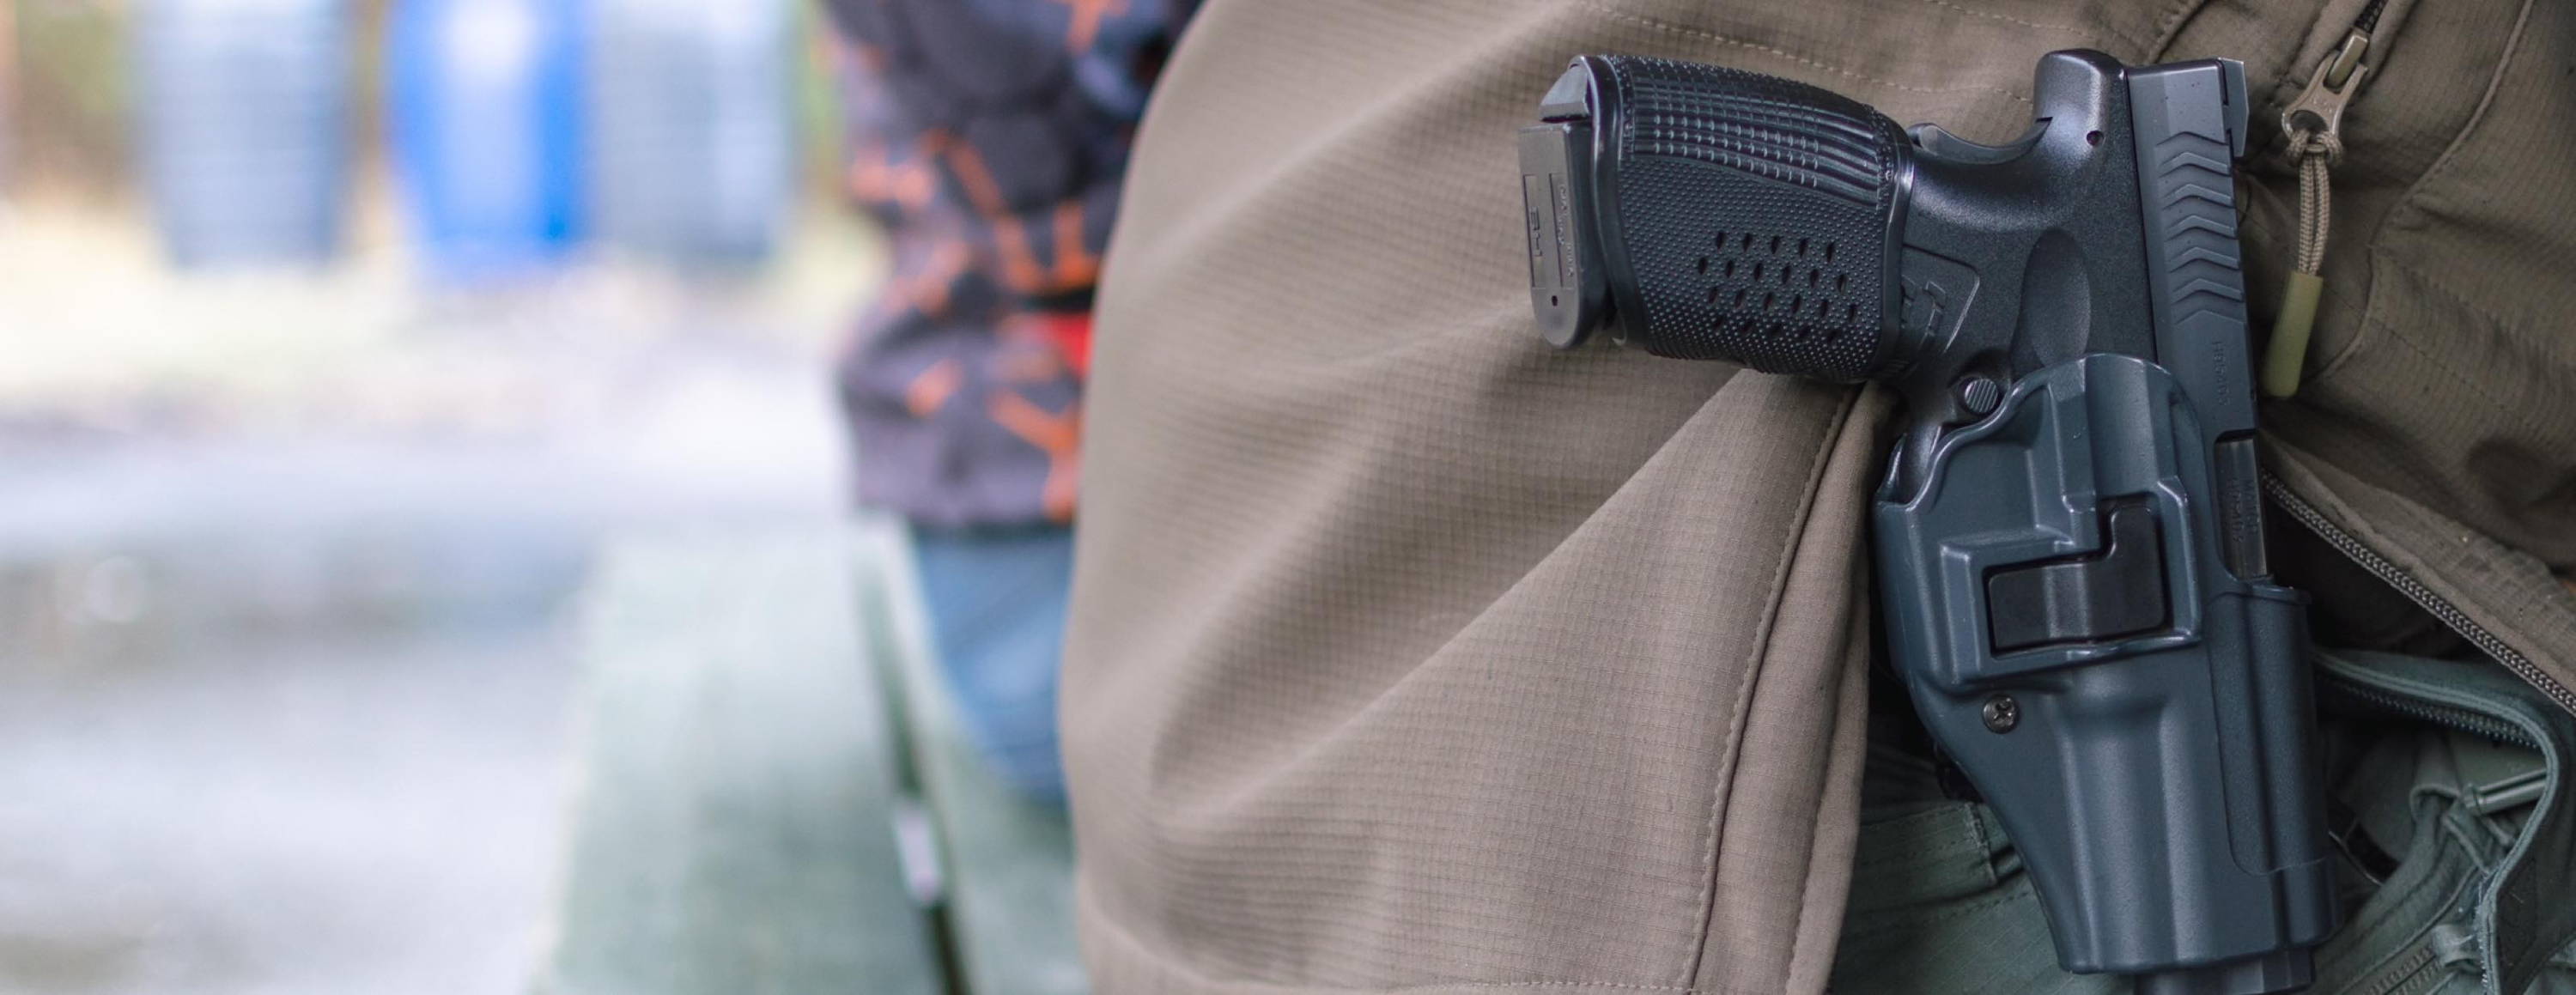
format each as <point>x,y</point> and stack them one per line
<point>989,139</point>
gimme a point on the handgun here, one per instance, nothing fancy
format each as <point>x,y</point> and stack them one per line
<point>2068,539</point>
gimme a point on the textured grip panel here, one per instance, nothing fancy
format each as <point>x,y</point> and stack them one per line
<point>1755,214</point>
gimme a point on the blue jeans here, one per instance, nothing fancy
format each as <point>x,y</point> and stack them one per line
<point>996,599</point>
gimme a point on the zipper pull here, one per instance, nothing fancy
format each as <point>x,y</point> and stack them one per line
<point>2313,123</point>
<point>2508,794</point>
<point>2319,108</point>
<point>2456,947</point>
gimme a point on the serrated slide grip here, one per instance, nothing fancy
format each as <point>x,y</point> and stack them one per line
<point>1750,218</point>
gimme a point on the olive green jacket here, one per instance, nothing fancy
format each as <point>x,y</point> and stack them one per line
<point>1411,656</point>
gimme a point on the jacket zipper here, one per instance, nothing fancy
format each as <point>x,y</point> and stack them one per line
<point>2313,124</point>
<point>2399,979</point>
<point>2460,719</point>
<point>2415,591</point>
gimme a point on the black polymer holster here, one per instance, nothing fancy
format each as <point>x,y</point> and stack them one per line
<point>2069,538</point>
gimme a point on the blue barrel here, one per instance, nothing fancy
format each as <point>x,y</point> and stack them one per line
<point>241,117</point>
<point>484,99</point>
<point>693,128</point>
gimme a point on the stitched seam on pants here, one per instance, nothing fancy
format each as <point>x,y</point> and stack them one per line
<point>1985,848</point>
<point>1702,33</point>
<point>1907,827</point>
<point>1718,803</point>
<point>1909,923</point>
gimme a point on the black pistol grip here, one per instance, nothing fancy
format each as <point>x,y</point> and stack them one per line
<point>1748,218</point>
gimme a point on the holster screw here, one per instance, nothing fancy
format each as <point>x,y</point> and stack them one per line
<point>2002,713</point>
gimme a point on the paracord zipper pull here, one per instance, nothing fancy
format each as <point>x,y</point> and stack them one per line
<point>2312,123</point>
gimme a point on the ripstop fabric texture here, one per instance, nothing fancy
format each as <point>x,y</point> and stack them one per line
<point>1410,656</point>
